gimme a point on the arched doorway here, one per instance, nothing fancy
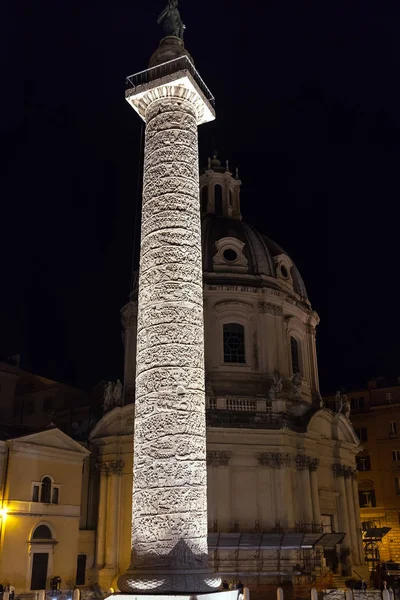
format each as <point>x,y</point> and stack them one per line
<point>41,548</point>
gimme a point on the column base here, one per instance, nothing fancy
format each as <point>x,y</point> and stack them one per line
<point>222,595</point>
<point>159,583</point>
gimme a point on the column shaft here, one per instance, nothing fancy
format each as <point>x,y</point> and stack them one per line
<point>307,499</point>
<point>112,520</point>
<point>101,522</point>
<point>361,551</point>
<point>353,519</point>
<point>315,497</point>
<point>344,514</point>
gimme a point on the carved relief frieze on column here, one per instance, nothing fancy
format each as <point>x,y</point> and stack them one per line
<point>275,460</point>
<point>217,458</point>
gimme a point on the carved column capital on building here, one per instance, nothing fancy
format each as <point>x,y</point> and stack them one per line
<point>270,309</point>
<point>314,464</point>
<point>302,462</point>
<point>349,472</point>
<point>339,470</point>
<point>310,329</point>
<point>110,467</point>
<point>129,315</point>
<point>275,460</point>
<point>217,458</point>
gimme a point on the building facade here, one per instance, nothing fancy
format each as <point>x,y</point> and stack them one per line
<point>40,518</point>
<point>375,415</point>
<point>282,487</point>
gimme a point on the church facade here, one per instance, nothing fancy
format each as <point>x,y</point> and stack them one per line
<point>282,489</point>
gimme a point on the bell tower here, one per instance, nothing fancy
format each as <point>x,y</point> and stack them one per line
<point>220,190</point>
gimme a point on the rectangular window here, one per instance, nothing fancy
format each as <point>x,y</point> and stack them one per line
<point>81,569</point>
<point>361,433</point>
<point>35,493</point>
<point>367,499</point>
<point>357,403</point>
<point>363,463</point>
<point>234,343</point>
<point>54,496</point>
<point>392,429</point>
<point>294,349</point>
<point>396,455</point>
<point>388,396</point>
<point>397,485</point>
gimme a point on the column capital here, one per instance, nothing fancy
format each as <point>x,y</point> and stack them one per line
<point>339,470</point>
<point>314,464</point>
<point>275,460</point>
<point>270,309</point>
<point>217,458</point>
<point>302,462</point>
<point>110,467</point>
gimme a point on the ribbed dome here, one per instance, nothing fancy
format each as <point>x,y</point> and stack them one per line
<point>258,249</point>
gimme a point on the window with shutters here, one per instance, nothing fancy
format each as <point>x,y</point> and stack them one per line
<point>392,429</point>
<point>361,433</point>
<point>363,463</point>
<point>367,498</point>
<point>396,455</point>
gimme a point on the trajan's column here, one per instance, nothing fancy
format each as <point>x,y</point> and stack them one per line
<point>169,506</point>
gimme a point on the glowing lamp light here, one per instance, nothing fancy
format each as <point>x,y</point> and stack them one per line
<point>3,513</point>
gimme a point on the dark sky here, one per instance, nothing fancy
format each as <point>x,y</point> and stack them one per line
<point>308,99</point>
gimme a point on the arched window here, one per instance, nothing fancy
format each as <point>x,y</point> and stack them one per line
<point>295,354</point>
<point>234,349</point>
<point>42,532</point>
<point>45,494</point>
<point>204,198</point>
<point>218,200</point>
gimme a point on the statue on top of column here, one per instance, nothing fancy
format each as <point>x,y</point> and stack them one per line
<point>170,20</point>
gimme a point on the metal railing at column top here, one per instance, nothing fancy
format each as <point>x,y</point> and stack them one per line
<point>182,63</point>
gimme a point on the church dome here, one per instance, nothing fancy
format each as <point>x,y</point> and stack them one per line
<point>263,255</point>
<point>232,248</point>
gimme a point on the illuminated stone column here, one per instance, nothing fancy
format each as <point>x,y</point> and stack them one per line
<point>169,505</point>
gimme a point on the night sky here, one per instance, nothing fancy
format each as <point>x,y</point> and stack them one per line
<point>307,98</point>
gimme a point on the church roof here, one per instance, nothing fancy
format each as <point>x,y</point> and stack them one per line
<point>258,249</point>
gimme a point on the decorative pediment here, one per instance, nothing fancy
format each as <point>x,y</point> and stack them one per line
<point>48,440</point>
